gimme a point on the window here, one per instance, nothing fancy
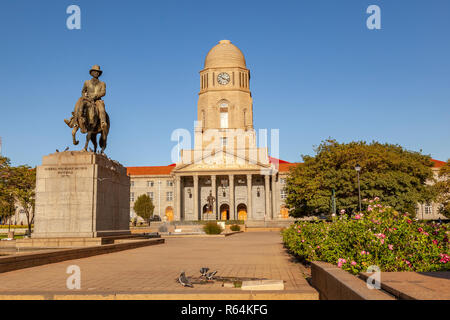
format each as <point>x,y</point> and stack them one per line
<point>224,120</point>
<point>428,208</point>
<point>150,194</point>
<point>169,183</point>
<point>131,196</point>
<point>169,196</point>
<point>283,194</point>
<point>223,141</point>
<point>150,183</point>
<point>132,183</point>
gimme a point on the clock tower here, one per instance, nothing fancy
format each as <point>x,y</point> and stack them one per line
<point>225,100</point>
<point>225,104</point>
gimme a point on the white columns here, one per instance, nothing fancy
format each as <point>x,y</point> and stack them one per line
<point>249,197</point>
<point>195,195</point>
<point>268,215</point>
<point>177,198</point>
<point>231,179</point>
<point>275,195</point>
<point>214,193</point>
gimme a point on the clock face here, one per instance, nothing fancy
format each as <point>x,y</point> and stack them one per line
<point>223,78</point>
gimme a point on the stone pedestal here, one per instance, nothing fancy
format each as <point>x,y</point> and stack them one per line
<point>81,194</point>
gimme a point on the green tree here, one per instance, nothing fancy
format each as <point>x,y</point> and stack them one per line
<point>7,208</point>
<point>24,186</point>
<point>388,171</point>
<point>7,205</point>
<point>17,186</point>
<point>144,207</point>
<point>443,189</point>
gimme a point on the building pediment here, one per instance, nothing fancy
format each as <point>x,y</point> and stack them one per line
<point>221,160</point>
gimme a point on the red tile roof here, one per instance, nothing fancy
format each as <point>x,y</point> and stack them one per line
<point>147,171</point>
<point>274,160</point>
<point>438,163</point>
<point>283,166</point>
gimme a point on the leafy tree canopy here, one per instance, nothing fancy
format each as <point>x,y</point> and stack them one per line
<point>6,189</point>
<point>144,207</point>
<point>17,186</point>
<point>443,189</point>
<point>389,172</point>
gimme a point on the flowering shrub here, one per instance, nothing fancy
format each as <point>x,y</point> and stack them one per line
<point>380,236</point>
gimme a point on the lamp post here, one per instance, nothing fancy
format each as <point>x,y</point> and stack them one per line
<point>358,169</point>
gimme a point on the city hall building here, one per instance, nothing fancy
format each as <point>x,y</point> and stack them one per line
<point>225,163</point>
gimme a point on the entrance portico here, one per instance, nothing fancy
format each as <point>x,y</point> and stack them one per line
<point>248,194</point>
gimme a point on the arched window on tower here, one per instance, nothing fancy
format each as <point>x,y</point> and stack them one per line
<point>224,119</point>
<point>223,108</point>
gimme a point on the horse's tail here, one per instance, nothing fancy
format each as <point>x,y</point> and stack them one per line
<point>104,134</point>
<point>102,142</point>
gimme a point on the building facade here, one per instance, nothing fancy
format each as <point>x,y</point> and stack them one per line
<point>225,163</point>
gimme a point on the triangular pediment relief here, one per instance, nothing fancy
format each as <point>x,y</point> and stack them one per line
<point>220,160</point>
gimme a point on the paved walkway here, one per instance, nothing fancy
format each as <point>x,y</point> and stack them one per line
<point>155,269</point>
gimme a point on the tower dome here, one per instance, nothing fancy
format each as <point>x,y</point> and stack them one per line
<point>225,55</point>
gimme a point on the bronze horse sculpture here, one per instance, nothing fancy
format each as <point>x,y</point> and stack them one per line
<point>90,115</point>
<point>92,122</point>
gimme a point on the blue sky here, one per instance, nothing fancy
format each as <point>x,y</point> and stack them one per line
<point>317,72</point>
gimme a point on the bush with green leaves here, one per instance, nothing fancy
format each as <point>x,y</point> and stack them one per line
<point>235,227</point>
<point>212,228</point>
<point>144,207</point>
<point>379,236</point>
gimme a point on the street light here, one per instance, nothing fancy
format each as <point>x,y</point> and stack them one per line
<point>358,169</point>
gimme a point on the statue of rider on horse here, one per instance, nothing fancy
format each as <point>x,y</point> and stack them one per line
<point>89,115</point>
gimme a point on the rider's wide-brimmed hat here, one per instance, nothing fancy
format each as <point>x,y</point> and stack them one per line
<point>96,68</point>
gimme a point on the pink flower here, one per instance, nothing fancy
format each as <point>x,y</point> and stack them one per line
<point>363,252</point>
<point>369,208</point>
<point>376,199</point>
<point>444,258</point>
<point>391,247</point>
<point>318,247</point>
<point>420,229</point>
<point>342,211</point>
<point>353,263</point>
<point>357,217</point>
<point>409,221</point>
<point>303,240</point>
<point>341,262</point>
<point>382,241</point>
<point>435,242</point>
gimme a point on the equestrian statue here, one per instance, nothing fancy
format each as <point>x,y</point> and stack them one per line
<point>89,115</point>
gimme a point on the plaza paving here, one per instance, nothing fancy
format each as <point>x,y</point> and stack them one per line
<point>153,271</point>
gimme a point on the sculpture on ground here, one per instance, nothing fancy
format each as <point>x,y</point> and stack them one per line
<point>89,115</point>
<point>210,199</point>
